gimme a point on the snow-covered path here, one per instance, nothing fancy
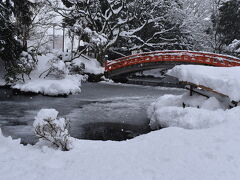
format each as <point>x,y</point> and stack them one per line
<point>115,105</point>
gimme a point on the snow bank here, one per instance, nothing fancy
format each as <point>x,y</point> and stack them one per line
<point>69,85</point>
<point>221,79</point>
<point>170,153</point>
<point>92,66</point>
<point>198,112</point>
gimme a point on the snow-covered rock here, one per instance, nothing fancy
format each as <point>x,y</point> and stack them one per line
<point>225,80</point>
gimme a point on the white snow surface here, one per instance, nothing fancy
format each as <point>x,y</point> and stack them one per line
<point>170,153</point>
<point>199,112</point>
<point>46,114</point>
<point>51,115</point>
<point>225,80</point>
<point>92,66</point>
<point>53,87</point>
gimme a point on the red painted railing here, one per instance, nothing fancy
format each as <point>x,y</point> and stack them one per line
<point>174,56</point>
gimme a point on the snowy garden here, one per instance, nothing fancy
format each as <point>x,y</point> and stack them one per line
<point>63,117</point>
<point>199,141</point>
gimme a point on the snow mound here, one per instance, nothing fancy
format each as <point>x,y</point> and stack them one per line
<point>92,66</point>
<point>69,85</point>
<point>224,80</point>
<point>199,112</point>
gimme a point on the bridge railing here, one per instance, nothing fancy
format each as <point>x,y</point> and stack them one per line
<point>174,56</point>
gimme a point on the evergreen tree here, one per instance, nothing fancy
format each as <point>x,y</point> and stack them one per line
<point>229,21</point>
<point>10,47</point>
<point>23,13</point>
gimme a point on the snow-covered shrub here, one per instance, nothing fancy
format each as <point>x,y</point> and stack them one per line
<point>50,128</point>
<point>58,67</point>
<point>27,62</point>
<point>63,64</point>
<point>77,68</point>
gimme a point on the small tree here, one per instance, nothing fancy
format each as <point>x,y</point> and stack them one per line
<point>50,128</point>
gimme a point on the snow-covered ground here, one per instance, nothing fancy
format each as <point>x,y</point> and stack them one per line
<point>171,153</point>
<point>221,79</point>
<point>70,84</point>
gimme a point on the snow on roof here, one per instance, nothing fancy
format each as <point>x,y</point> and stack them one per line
<point>225,80</point>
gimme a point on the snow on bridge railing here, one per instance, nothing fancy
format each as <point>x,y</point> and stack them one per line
<point>174,56</point>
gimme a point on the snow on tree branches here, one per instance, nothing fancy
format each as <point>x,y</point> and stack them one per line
<point>132,24</point>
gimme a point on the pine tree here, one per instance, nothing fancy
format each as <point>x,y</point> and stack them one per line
<point>229,21</point>
<point>23,13</point>
<point>10,47</point>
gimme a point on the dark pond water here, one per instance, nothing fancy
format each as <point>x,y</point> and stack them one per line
<point>100,112</point>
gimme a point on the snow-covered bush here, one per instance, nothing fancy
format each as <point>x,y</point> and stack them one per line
<point>57,66</point>
<point>27,62</point>
<point>50,128</point>
<point>77,68</point>
<point>62,64</point>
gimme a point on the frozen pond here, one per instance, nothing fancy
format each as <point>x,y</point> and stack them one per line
<point>101,111</point>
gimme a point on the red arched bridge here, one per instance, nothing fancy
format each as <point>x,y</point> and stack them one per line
<point>166,59</point>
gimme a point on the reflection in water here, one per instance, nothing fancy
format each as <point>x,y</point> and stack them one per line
<point>101,111</point>
<point>112,131</point>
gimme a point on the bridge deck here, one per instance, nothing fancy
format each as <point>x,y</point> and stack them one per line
<point>167,59</point>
